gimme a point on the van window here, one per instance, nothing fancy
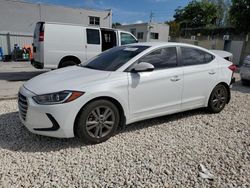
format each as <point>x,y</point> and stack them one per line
<point>127,39</point>
<point>93,36</point>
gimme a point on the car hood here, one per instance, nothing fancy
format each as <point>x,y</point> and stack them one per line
<point>69,78</point>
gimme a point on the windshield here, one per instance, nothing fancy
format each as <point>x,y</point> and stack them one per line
<point>114,58</point>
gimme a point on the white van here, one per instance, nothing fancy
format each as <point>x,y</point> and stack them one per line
<point>59,45</point>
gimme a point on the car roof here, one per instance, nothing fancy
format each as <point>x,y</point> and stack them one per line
<point>159,44</point>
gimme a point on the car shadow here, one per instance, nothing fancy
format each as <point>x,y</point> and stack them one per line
<point>19,76</point>
<point>15,137</point>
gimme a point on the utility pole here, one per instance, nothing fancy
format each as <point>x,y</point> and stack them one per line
<point>151,16</point>
<point>149,25</point>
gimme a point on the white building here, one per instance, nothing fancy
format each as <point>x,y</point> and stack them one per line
<point>18,20</point>
<point>148,32</point>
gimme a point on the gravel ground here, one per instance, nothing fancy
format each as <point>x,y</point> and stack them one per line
<point>162,152</point>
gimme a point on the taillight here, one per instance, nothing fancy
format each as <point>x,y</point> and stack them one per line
<point>232,67</point>
<point>41,36</point>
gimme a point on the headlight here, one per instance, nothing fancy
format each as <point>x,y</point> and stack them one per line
<point>57,98</point>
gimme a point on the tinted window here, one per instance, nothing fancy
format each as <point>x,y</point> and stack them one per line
<point>114,58</point>
<point>127,39</point>
<point>162,58</point>
<point>191,56</point>
<point>93,36</point>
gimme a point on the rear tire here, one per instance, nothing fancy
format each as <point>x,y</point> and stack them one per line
<point>97,122</point>
<point>245,82</point>
<point>218,99</point>
<point>67,63</point>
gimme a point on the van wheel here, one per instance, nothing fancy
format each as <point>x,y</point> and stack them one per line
<point>97,122</point>
<point>67,63</point>
<point>218,99</point>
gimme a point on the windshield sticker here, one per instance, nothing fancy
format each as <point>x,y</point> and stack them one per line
<point>130,49</point>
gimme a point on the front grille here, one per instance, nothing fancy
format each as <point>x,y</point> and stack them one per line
<point>22,105</point>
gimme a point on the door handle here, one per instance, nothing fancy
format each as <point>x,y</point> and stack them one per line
<point>211,72</point>
<point>175,79</point>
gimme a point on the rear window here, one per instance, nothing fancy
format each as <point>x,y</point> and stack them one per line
<point>193,56</point>
<point>39,28</point>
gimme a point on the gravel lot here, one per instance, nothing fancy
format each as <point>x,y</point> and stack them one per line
<point>165,151</point>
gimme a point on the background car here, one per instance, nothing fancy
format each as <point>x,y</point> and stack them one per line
<point>245,71</point>
<point>123,85</point>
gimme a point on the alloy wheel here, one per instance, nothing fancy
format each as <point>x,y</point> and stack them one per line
<point>219,98</point>
<point>100,122</point>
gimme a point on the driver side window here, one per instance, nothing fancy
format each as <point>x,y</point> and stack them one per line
<point>127,39</point>
<point>162,58</point>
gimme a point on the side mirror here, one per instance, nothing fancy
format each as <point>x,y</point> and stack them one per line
<point>143,67</point>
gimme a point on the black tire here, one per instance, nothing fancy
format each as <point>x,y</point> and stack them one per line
<point>245,82</point>
<point>67,63</point>
<point>218,99</point>
<point>91,127</point>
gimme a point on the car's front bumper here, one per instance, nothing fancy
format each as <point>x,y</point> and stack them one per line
<point>49,120</point>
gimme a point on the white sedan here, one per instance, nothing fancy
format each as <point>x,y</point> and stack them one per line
<point>123,85</point>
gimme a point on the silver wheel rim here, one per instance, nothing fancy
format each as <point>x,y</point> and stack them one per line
<point>219,98</point>
<point>100,122</point>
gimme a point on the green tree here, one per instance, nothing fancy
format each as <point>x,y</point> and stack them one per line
<point>196,14</point>
<point>222,11</point>
<point>174,28</point>
<point>116,24</point>
<point>240,15</point>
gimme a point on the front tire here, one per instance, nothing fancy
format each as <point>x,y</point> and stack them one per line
<point>97,122</point>
<point>218,99</point>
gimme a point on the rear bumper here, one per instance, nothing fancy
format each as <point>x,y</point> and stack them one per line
<point>37,64</point>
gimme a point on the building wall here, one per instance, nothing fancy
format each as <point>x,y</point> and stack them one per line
<point>18,20</point>
<point>22,16</point>
<point>146,29</point>
<point>162,29</point>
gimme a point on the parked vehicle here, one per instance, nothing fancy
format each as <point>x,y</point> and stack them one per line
<point>123,85</point>
<point>58,45</point>
<point>245,71</point>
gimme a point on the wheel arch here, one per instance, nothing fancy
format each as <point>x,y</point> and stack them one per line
<point>69,58</point>
<point>108,98</point>
<point>228,91</point>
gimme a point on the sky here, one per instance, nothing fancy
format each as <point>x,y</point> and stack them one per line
<point>127,11</point>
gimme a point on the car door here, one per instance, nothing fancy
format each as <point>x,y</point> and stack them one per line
<point>93,45</point>
<point>200,75</point>
<point>158,92</point>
